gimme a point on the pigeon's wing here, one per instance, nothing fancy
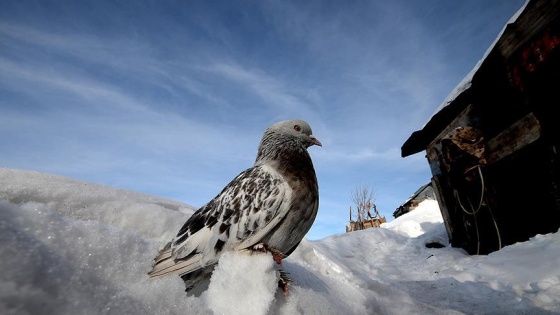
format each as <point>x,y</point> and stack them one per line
<point>265,205</point>
<point>246,210</point>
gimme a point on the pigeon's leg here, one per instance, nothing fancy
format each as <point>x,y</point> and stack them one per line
<point>277,255</point>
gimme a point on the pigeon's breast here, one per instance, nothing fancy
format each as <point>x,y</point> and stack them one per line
<point>301,213</point>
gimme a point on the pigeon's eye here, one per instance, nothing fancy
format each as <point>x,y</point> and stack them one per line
<point>297,128</point>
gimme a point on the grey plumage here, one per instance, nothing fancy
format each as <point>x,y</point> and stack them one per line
<point>274,203</point>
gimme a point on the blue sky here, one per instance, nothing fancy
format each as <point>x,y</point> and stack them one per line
<point>171,97</point>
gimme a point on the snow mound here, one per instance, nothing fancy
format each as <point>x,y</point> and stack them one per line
<point>70,247</point>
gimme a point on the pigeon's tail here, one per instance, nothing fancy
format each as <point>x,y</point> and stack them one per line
<point>165,264</point>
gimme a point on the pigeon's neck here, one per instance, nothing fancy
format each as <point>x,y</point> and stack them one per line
<point>287,155</point>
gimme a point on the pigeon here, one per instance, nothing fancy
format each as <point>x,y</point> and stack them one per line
<point>269,207</point>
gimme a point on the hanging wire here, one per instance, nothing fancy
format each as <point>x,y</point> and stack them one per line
<point>474,211</point>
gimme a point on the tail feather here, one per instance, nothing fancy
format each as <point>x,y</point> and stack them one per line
<point>164,254</point>
<point>165,264</point>
<point>169,267</point>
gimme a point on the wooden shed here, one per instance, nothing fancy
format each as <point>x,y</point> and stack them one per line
<point>372,221</point>
<point>493,145</point>
<point>425,192</point>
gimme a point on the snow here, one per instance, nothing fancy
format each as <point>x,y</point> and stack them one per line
<point>231,272</point>
<point>71,247</point>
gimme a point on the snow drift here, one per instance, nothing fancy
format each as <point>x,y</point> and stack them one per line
<point>71,247</point>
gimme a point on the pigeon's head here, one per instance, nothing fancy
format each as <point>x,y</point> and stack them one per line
<point>285,141</point>
<point>295,128</point>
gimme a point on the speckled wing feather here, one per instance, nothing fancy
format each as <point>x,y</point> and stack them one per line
<point>246,210</point>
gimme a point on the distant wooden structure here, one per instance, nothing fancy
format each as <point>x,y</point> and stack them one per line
<point>425,192</point>
<point>493,146</point>
<point>363,223</point>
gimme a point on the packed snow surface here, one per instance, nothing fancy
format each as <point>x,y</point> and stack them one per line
<point>71,247</point>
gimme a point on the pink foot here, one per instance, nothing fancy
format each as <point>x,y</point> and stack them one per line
<point>277,255</point>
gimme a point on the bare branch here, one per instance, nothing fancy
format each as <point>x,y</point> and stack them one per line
<point>363,197</point>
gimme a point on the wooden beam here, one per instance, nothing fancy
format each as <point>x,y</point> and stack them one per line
<point>520,134</point>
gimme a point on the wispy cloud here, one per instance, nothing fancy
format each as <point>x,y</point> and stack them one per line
<point>279,96</point>
<point>173,98</point>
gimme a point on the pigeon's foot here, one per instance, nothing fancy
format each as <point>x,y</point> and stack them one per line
<point>284,281</point>
<point>260,248</point>
<point>277,255</point>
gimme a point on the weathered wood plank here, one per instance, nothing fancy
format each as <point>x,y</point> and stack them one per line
<point>527,25</point>
<point>523,132</point>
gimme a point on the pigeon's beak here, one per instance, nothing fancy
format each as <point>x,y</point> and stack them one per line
<point>315,141</point>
